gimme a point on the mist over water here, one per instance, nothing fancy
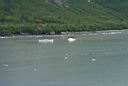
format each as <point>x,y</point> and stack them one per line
<point>99,59</point>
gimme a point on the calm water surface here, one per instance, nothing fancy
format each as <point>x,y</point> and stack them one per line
<point>25,62</point>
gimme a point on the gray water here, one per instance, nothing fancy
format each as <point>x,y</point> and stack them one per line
<point>26,62</point>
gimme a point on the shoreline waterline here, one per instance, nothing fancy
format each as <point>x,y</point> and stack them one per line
<point>105,32</point>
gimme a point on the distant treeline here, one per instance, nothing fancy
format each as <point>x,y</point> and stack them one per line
<point>35,29</point>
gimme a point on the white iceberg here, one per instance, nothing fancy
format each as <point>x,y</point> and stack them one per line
<point>46,40</point>
<point>71,39</point>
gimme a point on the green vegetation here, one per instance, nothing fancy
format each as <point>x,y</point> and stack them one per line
<point>45,16</point>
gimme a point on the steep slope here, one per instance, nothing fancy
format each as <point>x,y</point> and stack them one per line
<point>44,16</point>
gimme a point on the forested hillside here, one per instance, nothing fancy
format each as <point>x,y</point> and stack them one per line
<point>45,16</point>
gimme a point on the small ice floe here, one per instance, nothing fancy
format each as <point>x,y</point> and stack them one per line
<point>34,69</point>
<point>46,40</point>
<point>5,65</point>
<point>66,56</point>
<point>93,59</point>
<point>71,39</point>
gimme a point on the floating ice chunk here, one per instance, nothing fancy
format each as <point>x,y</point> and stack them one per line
<point>46,40</point>
<point>93,59</point>
<point>66,56</point>
<point>5,65</point>
<point>71,39</point>
<point>34,69</point>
